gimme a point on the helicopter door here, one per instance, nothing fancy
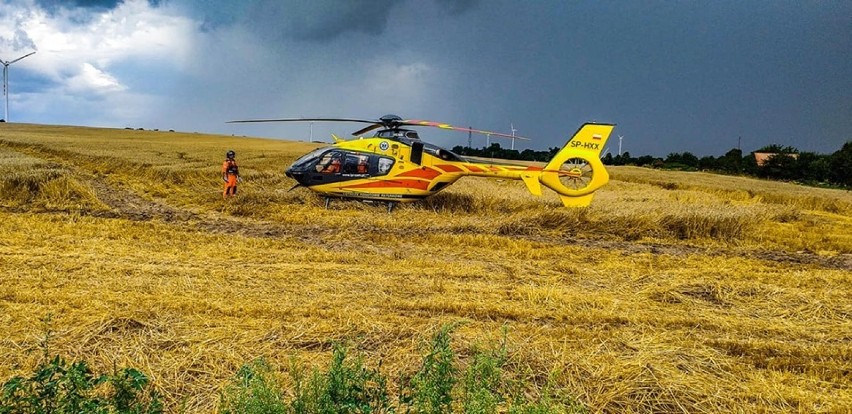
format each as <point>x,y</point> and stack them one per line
<point>417,152</point>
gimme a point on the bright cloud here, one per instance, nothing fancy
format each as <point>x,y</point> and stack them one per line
<point>92,79</point>
<point>79,50</point>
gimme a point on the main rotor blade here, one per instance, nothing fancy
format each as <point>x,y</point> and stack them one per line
<point>363,121</point>
<point>417,122</point>
<point>366,129</point>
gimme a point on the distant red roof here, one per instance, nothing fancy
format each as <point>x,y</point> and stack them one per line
<point>762,157</point>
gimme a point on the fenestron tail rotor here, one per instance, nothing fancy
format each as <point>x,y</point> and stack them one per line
<point>576,174</point>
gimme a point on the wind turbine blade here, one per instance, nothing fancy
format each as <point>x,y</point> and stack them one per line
<point>28,54</point>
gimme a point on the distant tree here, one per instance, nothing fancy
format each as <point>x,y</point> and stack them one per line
<point>731,162</point>
<point>678,161</point>
<point>780,166</point>
<point>690,159</point>
<point>674,158</point>
<point>623,159</point>
<point>707,163</point>
<point>552,152</point>
<point>608,159</point>
<point>528,155</point>
<point>840,164</point>
<point>645,160</point>
<point>749,164</point>
<point>812,167</point>
<point>778,149</point>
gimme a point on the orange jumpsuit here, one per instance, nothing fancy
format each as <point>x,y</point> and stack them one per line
<point>230,172</point>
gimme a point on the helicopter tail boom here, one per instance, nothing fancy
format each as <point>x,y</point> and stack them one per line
<point>575,172</point>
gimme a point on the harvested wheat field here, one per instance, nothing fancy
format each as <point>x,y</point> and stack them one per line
<point>673,292</point>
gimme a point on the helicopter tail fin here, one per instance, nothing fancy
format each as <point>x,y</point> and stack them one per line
<point>576,171</point>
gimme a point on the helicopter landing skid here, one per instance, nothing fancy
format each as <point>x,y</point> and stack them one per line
<point>390,204</point>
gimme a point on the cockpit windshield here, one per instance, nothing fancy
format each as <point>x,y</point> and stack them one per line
<point>306,160</point>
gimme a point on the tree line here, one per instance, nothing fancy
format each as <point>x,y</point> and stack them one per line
<point>787,163</point>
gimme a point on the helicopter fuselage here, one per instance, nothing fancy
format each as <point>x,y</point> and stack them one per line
<point>394,167</point>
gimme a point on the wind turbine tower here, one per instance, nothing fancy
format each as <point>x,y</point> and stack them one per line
<point>620,137</point>
<point>6,81</point>
<point>512,126</point>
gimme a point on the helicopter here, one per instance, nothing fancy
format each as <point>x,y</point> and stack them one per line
<point>394,165</point>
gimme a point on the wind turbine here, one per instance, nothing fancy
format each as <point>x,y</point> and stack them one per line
<point>620,137</point>
<point>512,126</point>
<point>6,81</point>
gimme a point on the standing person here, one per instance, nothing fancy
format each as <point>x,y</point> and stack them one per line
<point>230,174</point>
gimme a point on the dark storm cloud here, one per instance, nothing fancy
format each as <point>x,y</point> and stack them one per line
<point>317,21</point>
<point>675,76</point>
<point>52,6</point>
<point>321,20</point>
<point>457,6</point>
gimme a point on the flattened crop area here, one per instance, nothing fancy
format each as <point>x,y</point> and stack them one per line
<point>696,296</point>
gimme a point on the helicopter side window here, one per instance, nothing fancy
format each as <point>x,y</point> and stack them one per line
<point>441,153</point>
<point>330,163</point>
<point>356,164</point>
<point>385,165</point>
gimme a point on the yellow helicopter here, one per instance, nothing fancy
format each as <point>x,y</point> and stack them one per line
<point>394,165</point>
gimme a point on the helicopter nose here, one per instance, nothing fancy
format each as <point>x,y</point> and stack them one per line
<point>295,174</point>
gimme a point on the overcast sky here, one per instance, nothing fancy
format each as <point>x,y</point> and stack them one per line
<point>674,76</point>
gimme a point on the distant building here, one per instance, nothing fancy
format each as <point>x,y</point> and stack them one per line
<point>762,157</point>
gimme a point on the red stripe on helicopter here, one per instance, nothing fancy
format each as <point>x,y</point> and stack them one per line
<point>416,184</point>
<point>449,168</point>
<point>474,168</point>
<point>423,172</point>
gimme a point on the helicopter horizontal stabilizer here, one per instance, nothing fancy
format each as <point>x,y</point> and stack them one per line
<point>532,182</point>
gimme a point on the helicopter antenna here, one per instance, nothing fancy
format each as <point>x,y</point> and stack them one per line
<point>6,81</point>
